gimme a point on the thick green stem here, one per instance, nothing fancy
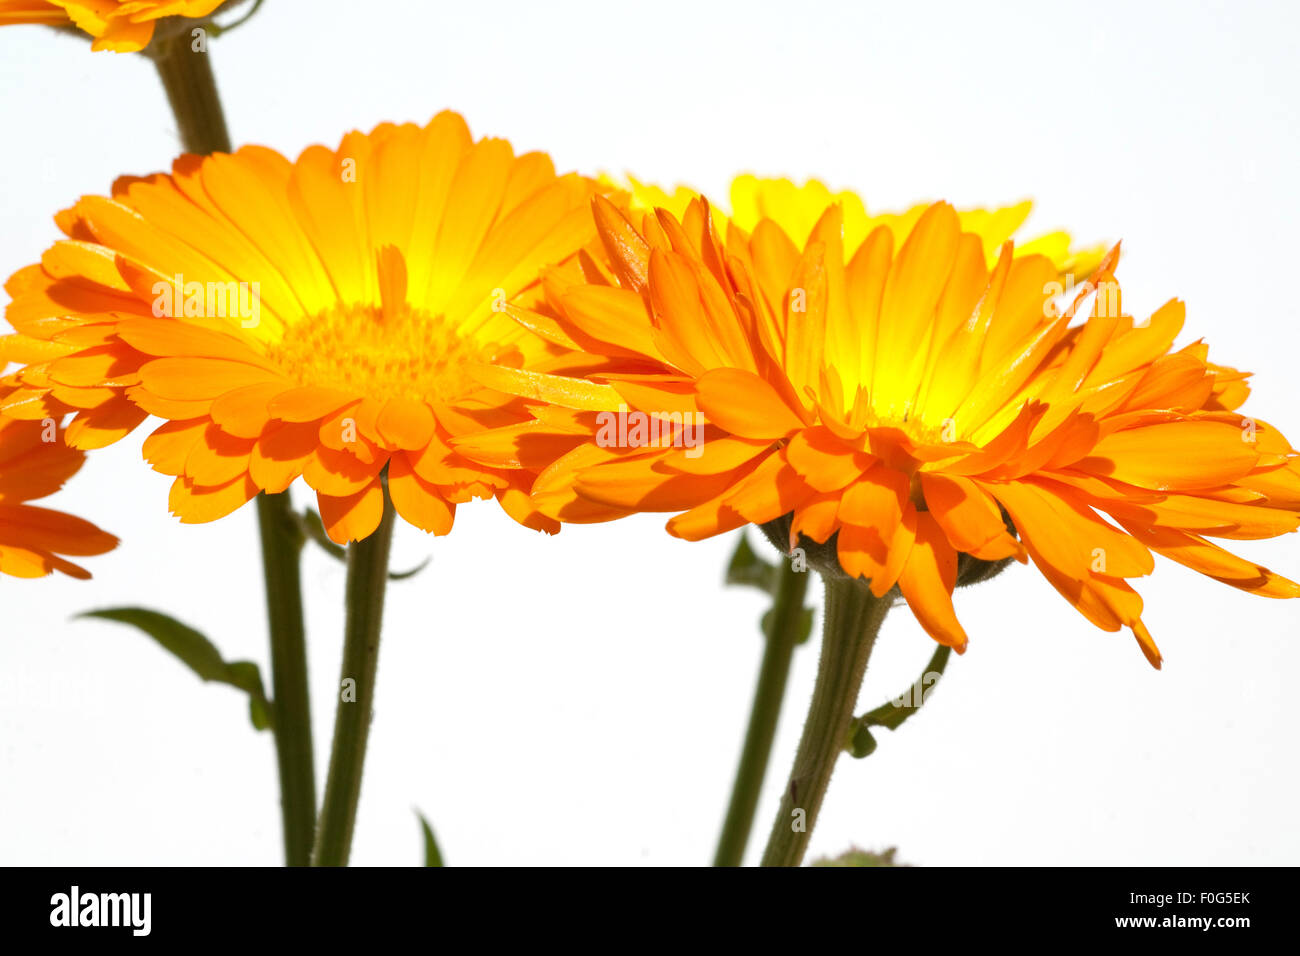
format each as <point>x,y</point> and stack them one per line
<point>281,549</point>
<point>192,93</point>
<point>852,620</point>
<point>367,580</point>
<point>783,636</point>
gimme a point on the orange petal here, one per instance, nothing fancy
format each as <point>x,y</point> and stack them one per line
<point>1068,535</point>
<point>54,531</point>
<point>280,454</point>
<point>927,581</point>
<point>339,474</point>
<point>100,427</point>
<point>246,411</point>
<point>969,517</point>
<point>308,403</point>
<point>170,444</point>
<point>824,461</point>
<point>195,504</point>
<point>519,505</point>
<point>417,501</point>
<point>352,517</point>
<point>194,379</point>
<point>217,458</point>
<point>744,404</point>
<point>1174,456</point>
<point>406,423</point>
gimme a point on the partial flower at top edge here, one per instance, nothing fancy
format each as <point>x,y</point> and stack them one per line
<point>121,26</point>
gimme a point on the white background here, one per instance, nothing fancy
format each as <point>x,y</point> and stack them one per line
<point>581,699</point>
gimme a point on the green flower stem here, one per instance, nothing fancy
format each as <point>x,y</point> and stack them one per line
<point>787,613</point>
<point>852,619</point>
<point>192,92</point>
<point>282,542</point>
<point>367,579</point>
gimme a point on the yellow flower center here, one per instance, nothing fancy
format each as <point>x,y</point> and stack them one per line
<point>389,351</point>
<point>406,354</point>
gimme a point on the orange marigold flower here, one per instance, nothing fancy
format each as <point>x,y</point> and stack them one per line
<point>123,26</point>
<point>35,462</point>
<point>314,317</point>
<point>905,405</point>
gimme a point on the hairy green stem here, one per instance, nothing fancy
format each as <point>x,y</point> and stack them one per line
<point>192,92</point>
<point>783,636</point>
<point>852,619</point>
<point>367,580</point>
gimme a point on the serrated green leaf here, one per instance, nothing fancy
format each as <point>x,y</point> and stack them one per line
<point>197,653</point>
<point>432,855</point>
<point>315,529</point>
<point>749,570</point>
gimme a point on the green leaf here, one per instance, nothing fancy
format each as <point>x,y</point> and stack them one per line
<point>805,625</point>
<point>315,529</point>
<point>246,676</point>
<point>748,569</point>
<point>432,855</point>
<point>198,654</point>
<point>863,743</point>
<point>259,712</point>
<point>403,575</point>
<point>891,714</point>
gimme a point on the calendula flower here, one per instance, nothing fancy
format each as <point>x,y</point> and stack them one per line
<point>796,207</point>
<point>34,463</point>
<point>123,26</point>
<point>894,409</point>
<point>312,317</point>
